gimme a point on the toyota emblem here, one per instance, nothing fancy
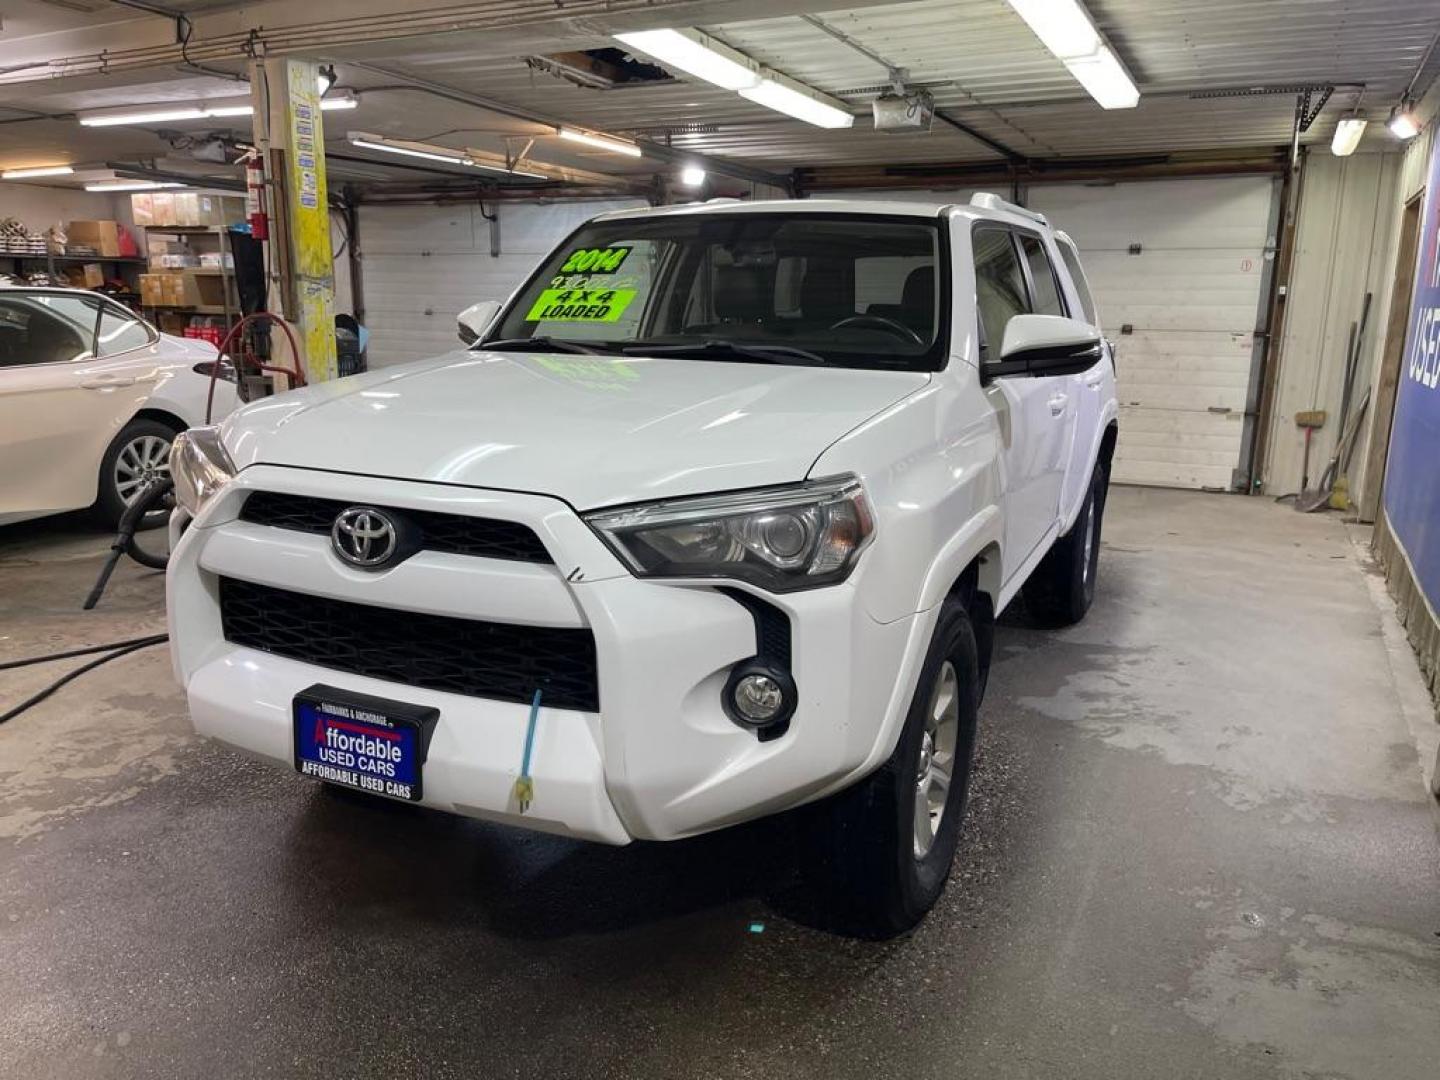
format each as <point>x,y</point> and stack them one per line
<point>364,536</point>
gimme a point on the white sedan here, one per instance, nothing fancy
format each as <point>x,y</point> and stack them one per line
<point>91,396</point>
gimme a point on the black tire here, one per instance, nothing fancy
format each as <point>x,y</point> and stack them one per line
<point>115,491</point>
<point>864,859</point>
<point>1061,589</point>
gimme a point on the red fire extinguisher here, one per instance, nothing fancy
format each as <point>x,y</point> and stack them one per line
<point>255,198</point>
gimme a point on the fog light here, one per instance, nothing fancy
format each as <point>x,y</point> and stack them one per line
<point>759,696</point>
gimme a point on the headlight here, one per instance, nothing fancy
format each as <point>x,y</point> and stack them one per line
<point>199,466</point>
<point>800,536</point>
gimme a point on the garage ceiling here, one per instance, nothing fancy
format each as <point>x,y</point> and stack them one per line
<point>985,68</point>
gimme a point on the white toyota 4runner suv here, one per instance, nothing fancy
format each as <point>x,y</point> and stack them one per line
<point>713,520</point>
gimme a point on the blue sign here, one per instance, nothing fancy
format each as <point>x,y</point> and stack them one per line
<point>357,748</point>
<point>1412,473</point>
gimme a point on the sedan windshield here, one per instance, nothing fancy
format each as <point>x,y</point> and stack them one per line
<point>862,291</point>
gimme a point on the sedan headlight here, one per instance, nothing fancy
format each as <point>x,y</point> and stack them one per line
<point>800,536</point>
<point>199,466</point>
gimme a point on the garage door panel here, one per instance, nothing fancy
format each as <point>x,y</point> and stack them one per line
<point>411,229</point>
<point>1227,212</point>
<point>1162,447</point>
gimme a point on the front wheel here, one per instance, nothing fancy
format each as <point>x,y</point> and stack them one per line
<point>138,455</point>
<point>883,848</point>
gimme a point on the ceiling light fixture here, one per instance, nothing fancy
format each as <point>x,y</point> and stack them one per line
<point>696,54</point>
<point>1066,29</point>
<point>1348,133</point>
<point>430,152</point>
<point>692,176</point>
<point>42,170</point>
<point>144,115</point>
<point>132,185</point>
<point>600,142</point>
<point>785,95</point>
<point>1403,122</point>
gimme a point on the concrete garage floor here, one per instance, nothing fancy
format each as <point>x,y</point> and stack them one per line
<point>1199,846</point>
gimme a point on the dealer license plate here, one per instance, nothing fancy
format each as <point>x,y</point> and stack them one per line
<point>362,742</point>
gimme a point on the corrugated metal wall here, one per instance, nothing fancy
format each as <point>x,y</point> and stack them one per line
<point>1345,247</point>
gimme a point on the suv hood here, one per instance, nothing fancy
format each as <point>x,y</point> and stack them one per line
<point>592,430</point>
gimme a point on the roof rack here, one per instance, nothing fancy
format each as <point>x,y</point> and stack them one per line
<point>988,200</point>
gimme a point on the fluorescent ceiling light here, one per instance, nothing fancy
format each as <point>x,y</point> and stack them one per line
<point>601,142</point>
<point>1066,29</point>
<point>43,170</point>
<point>785,95</point>
<point>696,54</point>
<point>341,99</point>
<point>131,185</point>
<point>1403,122</point>
<point>433,153</point>
<point>144,115</point>
<point>1106,80</point>
<point>1347,136</point>
<point>692,176</point>
<point>245,109</point>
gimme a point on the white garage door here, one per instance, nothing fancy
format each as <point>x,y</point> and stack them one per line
<point>1177,268</point>
<point>423,265</point>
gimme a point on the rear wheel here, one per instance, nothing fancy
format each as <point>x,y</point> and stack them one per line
<point>883,848</point>
<point>1062,587</point>
<point>138,455</point>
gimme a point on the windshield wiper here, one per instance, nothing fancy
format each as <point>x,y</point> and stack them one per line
<point>545,344</point>
<point>715,349</point>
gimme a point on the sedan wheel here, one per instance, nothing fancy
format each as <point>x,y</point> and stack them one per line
<point>140,461</point>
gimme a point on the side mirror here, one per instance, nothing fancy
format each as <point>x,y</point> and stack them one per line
<point>1038,345</point>
<point>476,319</point>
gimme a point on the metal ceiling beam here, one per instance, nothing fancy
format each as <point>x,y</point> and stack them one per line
<point>653,150</point>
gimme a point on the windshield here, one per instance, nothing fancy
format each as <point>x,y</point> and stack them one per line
<point>846,290</point>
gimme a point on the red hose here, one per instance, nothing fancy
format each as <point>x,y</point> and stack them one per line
<point>297,376</point>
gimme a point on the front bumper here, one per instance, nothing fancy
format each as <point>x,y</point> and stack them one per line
<point>658,760</point>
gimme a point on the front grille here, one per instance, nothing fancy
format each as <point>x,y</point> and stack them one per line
<point>502,661</point>
<point>457,534</point>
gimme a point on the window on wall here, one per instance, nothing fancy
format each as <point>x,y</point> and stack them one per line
<point>1047,299</point>
<point>1000,292</point>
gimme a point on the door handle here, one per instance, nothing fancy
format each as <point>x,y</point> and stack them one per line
<point>106,382</point>
<point>1057,403</point>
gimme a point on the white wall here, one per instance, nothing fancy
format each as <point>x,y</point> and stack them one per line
<point>1344,248</point>
<point>41,207</point>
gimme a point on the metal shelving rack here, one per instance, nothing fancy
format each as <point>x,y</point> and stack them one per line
<point>228,291</point>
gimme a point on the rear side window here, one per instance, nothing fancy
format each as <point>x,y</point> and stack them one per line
<point>1077,276</point>
<point>120,332</point>
<point>1042,276</point>
<point>999,285</point>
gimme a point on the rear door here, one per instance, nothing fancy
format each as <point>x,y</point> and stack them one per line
<point>1088,387</point>
<point>1032,412</point>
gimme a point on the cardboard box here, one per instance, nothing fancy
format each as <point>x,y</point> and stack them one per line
<point>187,208</point>
<point>103,236</point>
<point>93,275</point>
<point>162,207</point>
<point>142,208</point>
<point>173,322</point>
<point>152,290</point>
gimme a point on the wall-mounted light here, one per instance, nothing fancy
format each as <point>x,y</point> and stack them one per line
<point>41,170</point>
<point>600,142</point>
<point>1348,133</point>
<point>1403,122</point>
<point>692,176</point>
<point>1066,29</point>
<point>325,79</point>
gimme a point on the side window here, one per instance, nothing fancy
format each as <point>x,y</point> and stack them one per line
<point>43,328</point>
<point>999,285</point>
<point>1042,277</point>
<point>1077,275</point>
<point>120,332</point>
